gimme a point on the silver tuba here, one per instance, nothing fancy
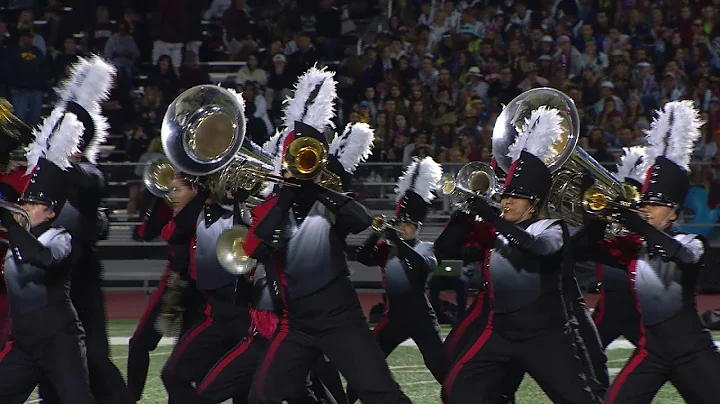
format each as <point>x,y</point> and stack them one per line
<point>158,177</point>
<point>568,162</point>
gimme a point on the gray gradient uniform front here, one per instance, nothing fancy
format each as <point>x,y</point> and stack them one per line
<point>519,275</point>
<point>396,280</point>
<point>659,284</point>
<point>310,250</point>
<point>29,287</point>
<point>264,300</point>
<point>210,274</point>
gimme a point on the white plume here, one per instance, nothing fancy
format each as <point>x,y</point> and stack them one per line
<point>88,85</point>
<point>541,130</point>
<point>633,164</point>
<point>316,110</point>
<point>673,133</point>
<point>353,146</point>
<point>273,147</point>
<point>66,131</point>
<point>422,177</point>
<point>239,97</point>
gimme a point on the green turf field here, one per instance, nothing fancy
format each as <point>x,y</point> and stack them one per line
<point>405,363</point>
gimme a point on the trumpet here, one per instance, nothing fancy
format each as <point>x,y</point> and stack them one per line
<point>477,180</point>
<point>230,251</point>
<point>380,224</point>
<point>597,202</point>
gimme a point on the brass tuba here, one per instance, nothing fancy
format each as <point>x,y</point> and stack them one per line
<point>568,162</point>
<point>230,251</point>
<point>158,177</point>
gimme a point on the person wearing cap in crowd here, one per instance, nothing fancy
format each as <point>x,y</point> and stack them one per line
<point>663,267</point>
<point>87,87</point>
<point>297,235</point>
<point>174,219</point>
<point>524,257</point>
<point>14,135</point>
<point>47,340</point>
<point>226,319</point>
<point>406,263</point>
<point>532,79</point>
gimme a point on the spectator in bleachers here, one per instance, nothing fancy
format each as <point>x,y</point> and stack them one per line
<point>151,111</point>
<point>165,76</point>
<point>118,108</point>
<point>37,40</point>
<point>171,28</point>
<point>279,84</point>
<point>252,72</point>
<point>100,31</point>
<point>192,74</point>
<point>6,43</point>
<point>328,29</point>
<point>65,59</point>
<point>240,30</point>
<point>256,112</point>
<point>28,72</point>
<point>304,57</point>
<point>138,29</point>
<point>122,51</point>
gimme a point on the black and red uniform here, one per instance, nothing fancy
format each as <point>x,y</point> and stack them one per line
<point>225,323</point>
<point>528,321</point>
<point>300,238</point>
<point>178,231</point>
<point>673,345</point>
<point>615,314</point>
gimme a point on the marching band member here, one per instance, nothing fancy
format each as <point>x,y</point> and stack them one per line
<point>47,338</point>
<point>88,85</point>
<point>299,236</point>
<point>615,313</point>
<point>14,134</point>
<point>175,223</point>
<point>406,263</point>
<point>663,267</point>
<point>527,324</point>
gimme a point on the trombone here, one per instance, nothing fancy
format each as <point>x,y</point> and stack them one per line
<point>598,203</point>
<point>380,224</point>
<point>475,179</point>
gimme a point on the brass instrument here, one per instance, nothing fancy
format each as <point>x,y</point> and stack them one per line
<point>305,158</point>
<point>203,134</point>
<point>476,180</point>
<point>158,177</point>
<point>567,163</point>
<point>380,224</point>
<point>596,202</point>
<point>230,250</point>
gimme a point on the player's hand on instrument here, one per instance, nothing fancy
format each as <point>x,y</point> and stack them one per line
<point>392,235</point>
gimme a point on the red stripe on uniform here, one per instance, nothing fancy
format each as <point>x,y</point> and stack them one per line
<point>382,324</point>
<point>636,360</point>
<point>229,357</point>
<point>280,335</point>
<point>5,350</point>
<point>155,299</point>
<point>190,336</point>
<point>464,324</point>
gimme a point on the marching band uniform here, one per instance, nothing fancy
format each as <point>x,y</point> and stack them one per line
<point>406,265</point>
<point>47,338</point>
<point>177,230</point>
<point>226,319</point>
<point>299,235</point>
<point>89,84</point>
<point>615,313</point>
<point>528,321</point>
<point>663,268</point>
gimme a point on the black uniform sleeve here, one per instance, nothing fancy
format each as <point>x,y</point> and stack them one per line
<point>84,179</point>
<point>416,265</point>
<point>585,241</point>
<point>28,249</point>
<point>351,217</point>
<point>662,243</point>
<point>450,242</point>
<point>547,243</point>
<point>366,254</point>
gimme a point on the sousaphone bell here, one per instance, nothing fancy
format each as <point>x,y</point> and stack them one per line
<point>230,250</point>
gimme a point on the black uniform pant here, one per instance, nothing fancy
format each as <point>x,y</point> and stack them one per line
<point>615,315</point>
<point>410,316</point>
<point>679,350</point>
<point>106,381</point>
<point>146,338</point>
<point>60,359</point>
<point>224,326</point>
<point>233,374</point>
<point>466,330</point>
<point>330,322</point>
<point>548,354</point>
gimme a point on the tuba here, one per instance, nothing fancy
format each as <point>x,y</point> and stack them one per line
<point>568,162</point>
<point>475,179</point>
<point>158,177</point>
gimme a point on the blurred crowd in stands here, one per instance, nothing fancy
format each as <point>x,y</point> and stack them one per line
<point>431,81</point>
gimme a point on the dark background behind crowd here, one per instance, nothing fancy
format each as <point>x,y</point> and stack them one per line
<point>431,80</point>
